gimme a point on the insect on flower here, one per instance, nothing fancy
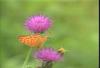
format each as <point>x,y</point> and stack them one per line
<point>35,40</point>
<point>61,51</point>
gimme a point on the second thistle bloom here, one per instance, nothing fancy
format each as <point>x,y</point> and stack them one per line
<point>48,54</point>
<point>38,23</point>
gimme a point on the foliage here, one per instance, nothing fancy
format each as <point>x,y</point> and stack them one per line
<point>75,27</point>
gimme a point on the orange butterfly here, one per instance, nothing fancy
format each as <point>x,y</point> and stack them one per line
<point>33,40</point>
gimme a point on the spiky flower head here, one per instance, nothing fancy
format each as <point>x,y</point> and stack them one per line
<point>38,24</point>
<point>48,54</point>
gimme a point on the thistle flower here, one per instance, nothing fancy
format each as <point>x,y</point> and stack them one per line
<point>48,54</point>
<point>38,24</point>
<point>35,40</point>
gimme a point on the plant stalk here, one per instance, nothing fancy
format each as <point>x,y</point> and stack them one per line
<point>27,58</point>
<point>47,64</point>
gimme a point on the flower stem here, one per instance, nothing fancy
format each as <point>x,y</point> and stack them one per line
<point>27,58</point>
<point>47,64</point>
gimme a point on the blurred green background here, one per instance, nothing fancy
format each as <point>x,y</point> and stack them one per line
<point>75,27</point>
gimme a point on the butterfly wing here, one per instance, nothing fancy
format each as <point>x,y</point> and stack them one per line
<point>32,40</point>
<point>28,40</point>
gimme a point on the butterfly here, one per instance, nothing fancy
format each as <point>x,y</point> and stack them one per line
<point>35,40</point>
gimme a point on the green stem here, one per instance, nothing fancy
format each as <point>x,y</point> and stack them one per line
<point>27,58</point>
<point>47,64</point>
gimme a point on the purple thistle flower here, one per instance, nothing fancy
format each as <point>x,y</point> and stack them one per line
<point>48,54</point>
<point>38,23</point>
